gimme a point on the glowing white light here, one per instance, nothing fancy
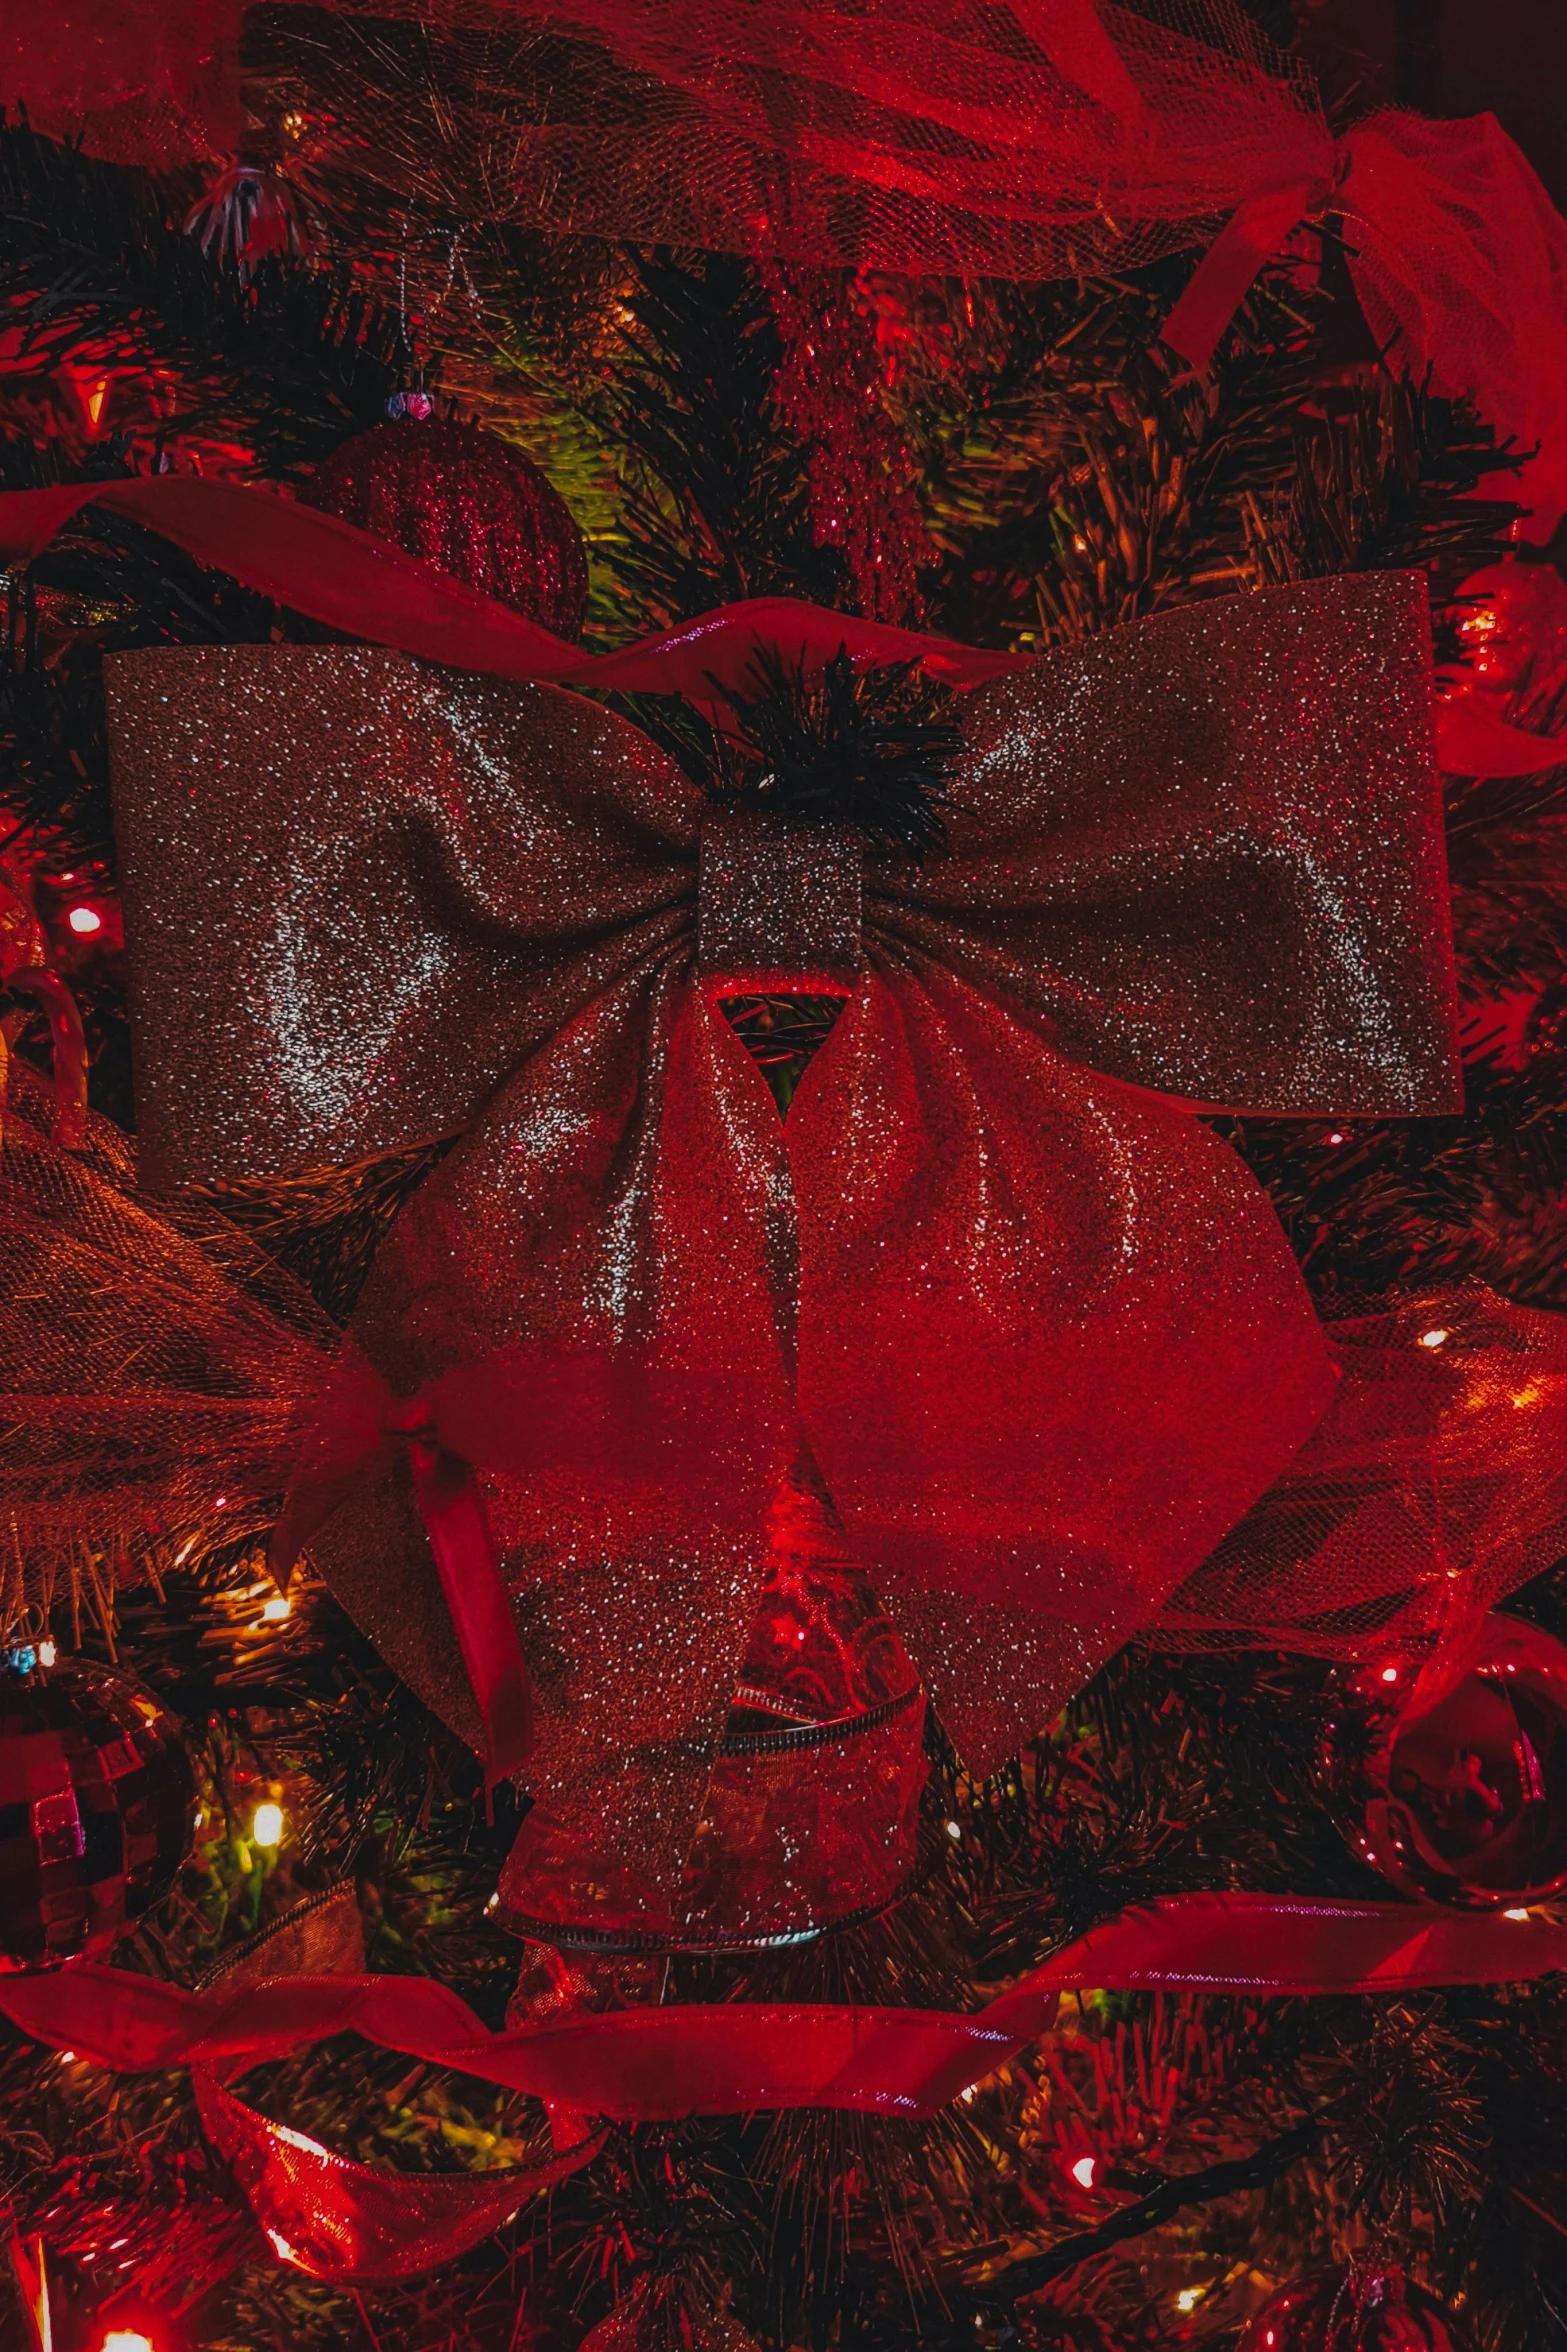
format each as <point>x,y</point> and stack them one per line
<point>127,2340</point>
<point>86,919</point>
<point>1433,1339</point>
<point>1338,1136</point>
<point>1515,1914</point>
<point>953,1830</point>
<point>267,1828</point>
<point>1083,2172</point>
<point>1390,1674</point>
<point>281,2247</point>
<point>1188,2298</point>
<point>275,1610</point>
<point>47,1653</point>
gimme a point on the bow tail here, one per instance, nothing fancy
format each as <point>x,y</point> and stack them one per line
<point>1052,1343</point>
<point>995,1676</point>
<point>605,1383</point>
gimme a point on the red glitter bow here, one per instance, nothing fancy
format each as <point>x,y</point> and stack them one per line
<point>993,1321</point>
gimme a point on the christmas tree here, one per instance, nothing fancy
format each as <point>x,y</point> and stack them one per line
<point>611,414</point>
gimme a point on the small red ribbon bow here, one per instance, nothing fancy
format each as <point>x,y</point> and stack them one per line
<point>1023,1327</point>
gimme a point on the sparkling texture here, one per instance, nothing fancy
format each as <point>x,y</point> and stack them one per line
<point>780,904</point>
<point>1037,1332</point>
<point>469,503</point>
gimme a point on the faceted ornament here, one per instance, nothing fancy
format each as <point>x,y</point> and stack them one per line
<point>96,1808</point>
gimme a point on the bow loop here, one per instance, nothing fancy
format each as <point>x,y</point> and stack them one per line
<point>408,878</point>
<point>1208,850</point>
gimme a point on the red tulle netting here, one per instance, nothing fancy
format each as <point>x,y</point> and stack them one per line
<point>157,1370</point>
<point>1015,138</point>
<point>1435,1484</point>
<point>1012,137</point>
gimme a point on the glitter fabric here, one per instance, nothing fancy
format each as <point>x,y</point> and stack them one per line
<point>809,1792</point>
<point>780,905</point>
<point>1208,851</point>
<point>1036,1326</point>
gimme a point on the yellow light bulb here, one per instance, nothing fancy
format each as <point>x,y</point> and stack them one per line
<point>267,1827</point>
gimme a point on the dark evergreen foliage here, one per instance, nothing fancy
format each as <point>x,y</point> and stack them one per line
<point>1073,476</point>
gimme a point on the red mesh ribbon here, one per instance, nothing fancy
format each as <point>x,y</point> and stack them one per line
<point>1032,1327</point>
<point>926,135</point>
<point>1459,262</point>
<point>1027,138</point>
<point>137,81</point>
<point>159,1371</point>
<point>1435,1482</point>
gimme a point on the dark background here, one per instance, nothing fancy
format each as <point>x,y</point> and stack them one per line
<point>1504,57</point>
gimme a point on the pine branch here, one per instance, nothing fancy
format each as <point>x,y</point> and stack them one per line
<point>1019,2275</point>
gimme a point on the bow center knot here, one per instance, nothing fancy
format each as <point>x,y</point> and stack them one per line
<point>779,904</point>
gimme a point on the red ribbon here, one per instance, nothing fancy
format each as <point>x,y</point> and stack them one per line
<point>653,2065</point>
<point>367,587</point>
<point>339,2220</point>
<point>68,1051</point>
<point>332,572</point>
<point>454,1518</point>
<point>1223,278</point>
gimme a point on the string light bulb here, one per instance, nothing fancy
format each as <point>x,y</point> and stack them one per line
<point>127,2340</point>
<point>1083,2172</point>
<point>275,1610</point>
<point>85,920</point>
<point>267,1827</point>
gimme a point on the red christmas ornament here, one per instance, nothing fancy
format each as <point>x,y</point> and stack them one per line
<point>96,1795</point>
<point>468,503</point>
<point>1463,1802</point>
<point>1369,2310</point>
